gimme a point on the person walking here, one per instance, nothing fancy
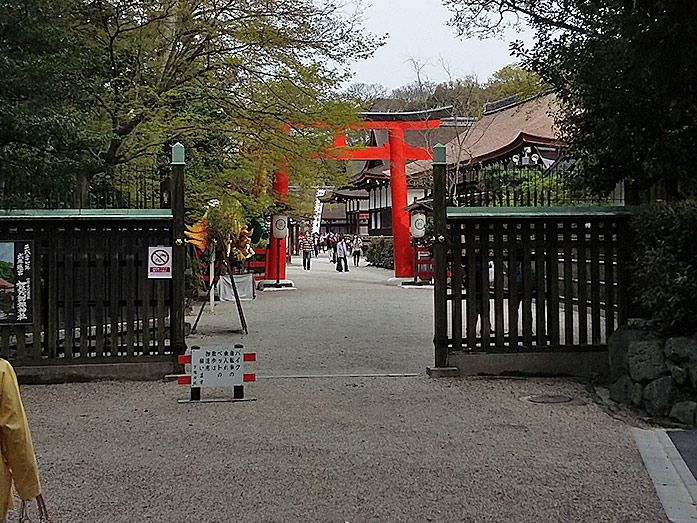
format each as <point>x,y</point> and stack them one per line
<point>308,247</point>
<point>356,246</point>
<point>333,240</point>
<point>342,250</point>
<point>18,464</point>
<point>315,242</point>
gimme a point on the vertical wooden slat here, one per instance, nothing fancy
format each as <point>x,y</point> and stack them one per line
<point>609,258</point>
<point>568,286</point>
<point>99,288</point>
<point>40,296</point>
<point>582,284</point>
<point>69,294</point>
<point>553,284</point>
<point>84,292</point>
<point>498,281</point>
<point>595,281</point>
<point>161,314</point>
<point>484,279</point>
<point>540,281</point>
<point>526,236</point>
<point>51,330</point>
<point>114,286</point>
<point>471,309</point>
<point>456,236</point>
<point>146,293</point>
<point>623,241</point>
<point>129,293</point>
<point>514,286</point>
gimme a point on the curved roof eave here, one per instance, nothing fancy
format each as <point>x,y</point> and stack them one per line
<point>513,145</point>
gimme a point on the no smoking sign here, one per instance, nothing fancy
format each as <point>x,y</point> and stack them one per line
<point>159,262</point>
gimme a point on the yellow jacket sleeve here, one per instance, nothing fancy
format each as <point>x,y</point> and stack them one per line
<point>17,447</point>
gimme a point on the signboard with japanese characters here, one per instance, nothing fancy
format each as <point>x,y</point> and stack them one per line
<point>159,262</point>
<point>217,367</point>
<point>16,281</point>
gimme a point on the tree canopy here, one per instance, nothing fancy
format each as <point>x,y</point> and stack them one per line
<point>624,72</point>
<point>119,80</point>
<point>467,95</point>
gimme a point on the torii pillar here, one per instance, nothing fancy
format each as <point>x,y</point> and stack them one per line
<point>397,152</point>
<point>277,249</point>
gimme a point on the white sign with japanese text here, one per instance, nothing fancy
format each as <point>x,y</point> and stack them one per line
<point>159,262</point>
<point>217,367</point>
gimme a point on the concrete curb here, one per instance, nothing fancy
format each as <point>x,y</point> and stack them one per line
<point>675,485</point>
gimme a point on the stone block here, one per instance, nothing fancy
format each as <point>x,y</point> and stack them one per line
<point>658,396</point>
<point>684,412</point>
<point>645,360</point>
<point>637,395</point>
<point>692,372</point>
<point>681,349</point>
<point>618,346</point>
<point>621,390</point>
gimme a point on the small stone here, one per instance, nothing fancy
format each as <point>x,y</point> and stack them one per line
<point>637,395</point>
<point>681,349</point>
<point>645,360</point>
<point>679,374</point>
<point>658,396</point>
<point>684,412</point>
<point>621,390</point>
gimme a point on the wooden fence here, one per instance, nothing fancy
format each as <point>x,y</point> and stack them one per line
<point>92,300</point>
<point>550,279</point>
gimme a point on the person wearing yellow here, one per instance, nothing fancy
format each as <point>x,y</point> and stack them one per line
<point>18,462</point>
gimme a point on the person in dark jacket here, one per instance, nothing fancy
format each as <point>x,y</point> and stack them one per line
<point>308,247</point>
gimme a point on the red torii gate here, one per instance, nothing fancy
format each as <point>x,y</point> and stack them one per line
<point>397,152</point>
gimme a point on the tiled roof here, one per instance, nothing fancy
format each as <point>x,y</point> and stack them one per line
<point>500,132</point>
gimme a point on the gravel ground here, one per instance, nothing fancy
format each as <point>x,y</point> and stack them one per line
<point>336,449</point>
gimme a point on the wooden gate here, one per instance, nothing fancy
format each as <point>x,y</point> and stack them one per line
<point>535,278</point>
<point>92,301</point>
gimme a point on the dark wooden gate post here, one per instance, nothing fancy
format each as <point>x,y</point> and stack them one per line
<point>440,262</point>
<point>178,251</point>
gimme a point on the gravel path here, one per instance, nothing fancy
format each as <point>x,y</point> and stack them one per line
<point>336,449</point>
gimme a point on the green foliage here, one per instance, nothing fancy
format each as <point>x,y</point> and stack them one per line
<point>7,271</point>
<point>117,82</point>
<point>45,107</point>
<point>624,73</point>
<point>513,80</point>
<point>503,184</point>
<point>664,271</point>
<point>380,253</point>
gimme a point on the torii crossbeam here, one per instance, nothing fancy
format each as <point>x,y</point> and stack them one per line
<point>397,153</point>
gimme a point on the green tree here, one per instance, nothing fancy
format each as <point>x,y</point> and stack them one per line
<point>225,78</point>
<point>513,80</point>
<point>44,105</point>
<point>625,76</point>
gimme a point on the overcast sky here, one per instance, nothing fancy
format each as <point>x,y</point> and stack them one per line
<point>417,29</point>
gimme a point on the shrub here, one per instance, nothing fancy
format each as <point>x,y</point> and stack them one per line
<point>664,271</point>
<point>380,252</point>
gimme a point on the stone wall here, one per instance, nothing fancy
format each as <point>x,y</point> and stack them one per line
<point>653,373</point>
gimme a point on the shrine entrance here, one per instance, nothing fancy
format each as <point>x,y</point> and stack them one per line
<point>397,153</point>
